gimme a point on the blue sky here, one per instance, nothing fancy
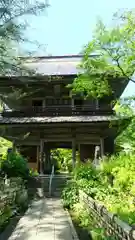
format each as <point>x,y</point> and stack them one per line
<point>68,25</point>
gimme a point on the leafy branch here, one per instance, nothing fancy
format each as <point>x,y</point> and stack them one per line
<point>114,57</point>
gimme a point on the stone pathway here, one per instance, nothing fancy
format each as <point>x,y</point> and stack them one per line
<point>46,220</point>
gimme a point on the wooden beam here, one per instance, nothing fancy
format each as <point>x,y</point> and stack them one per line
<point>66,138</point>
<point>37,143</point>
<point>92,142</point>
<point>57,124</point>
<point>48,128</point>
<point>86,141</point>
<point>29,143</point>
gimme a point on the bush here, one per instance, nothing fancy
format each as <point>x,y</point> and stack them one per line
<point>86,171</point>
<point>63,159</point>
<point>15,166</point>
<point>113,184</point>
<point>70,194</point>
<point>15,199</point>
<point>33,173</point>
<point>82,215</point>
<point>5,215</point>
<point>22,199</point>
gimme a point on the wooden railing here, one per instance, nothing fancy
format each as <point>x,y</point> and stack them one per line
<point>112,225</point>
<point>64,110</point>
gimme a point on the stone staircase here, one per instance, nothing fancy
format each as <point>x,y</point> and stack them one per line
<point>41,184</point>
<point>58,184</point>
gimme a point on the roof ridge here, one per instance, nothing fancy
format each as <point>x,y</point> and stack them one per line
<point>57,56</point>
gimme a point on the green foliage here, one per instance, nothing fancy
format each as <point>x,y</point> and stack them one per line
<point>63,158</point>
<point>90,86</point>
<point>21,200</point>
<point>112,56</point>
<point>33,173</point>
<point>81,215</point>
<point>4,145</point>
<point>13,199</point>
<point>13,25</point>
<point>5,215</point>
<point>99,234</point>
<point>112,184</point>
<point>84,178</point>
<point>87,178</point>
<point>86,171</point>
<point>70,194</point>
<point>126,139</point>
<point>120,198</point>
<point>15,166</point>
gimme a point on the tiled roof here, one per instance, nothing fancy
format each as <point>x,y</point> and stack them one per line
<point>41,120</point>
<point>55,65</point>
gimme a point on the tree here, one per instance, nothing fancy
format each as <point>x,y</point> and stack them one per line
<point>112,53</point>
<point>12,32</point>
<point>127,137</point>
<point>12,28</point>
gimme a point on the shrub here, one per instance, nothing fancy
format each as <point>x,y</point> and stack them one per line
<point>22,199</point>
<point>88,186</point>
<point>70,194</point>
<point>15,199</point>
<point>63,159</point>
<point>113,184</point>
<point>82,215</point>
<point>122,169</point>
<point>86,171</point>
<point>15,166</point>
<point>33,173</point>
<point>5,214</point>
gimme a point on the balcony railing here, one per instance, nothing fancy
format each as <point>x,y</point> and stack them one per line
<point>58,111</point>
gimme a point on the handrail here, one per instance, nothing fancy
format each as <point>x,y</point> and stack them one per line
<point>59,110</point>
<point>50,181</point>
<point>90,107</point>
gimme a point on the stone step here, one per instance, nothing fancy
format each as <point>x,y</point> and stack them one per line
<point>42,183</point>
<point>58,183</point>
<point>42,193</point>
<point>57,188</point>
<point>55,176</point>
<point>56,194</point>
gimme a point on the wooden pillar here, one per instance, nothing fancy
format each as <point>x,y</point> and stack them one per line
<point>47,165</point>
<point>97,104</point>
<point>14,147</point>
<point>72,102</point>
<point>102,146</point>
<point>73,152</point>
<point>41,156</point>
<point>44,103</point>
<point>38,158</point>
